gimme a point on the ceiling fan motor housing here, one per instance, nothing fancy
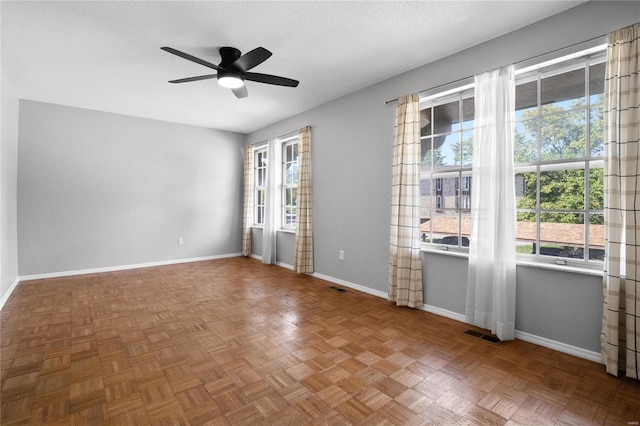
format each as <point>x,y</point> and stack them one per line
<point>229,56</point>
<point>227,67</point>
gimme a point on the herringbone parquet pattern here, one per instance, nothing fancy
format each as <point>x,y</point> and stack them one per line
<point>233,341</point>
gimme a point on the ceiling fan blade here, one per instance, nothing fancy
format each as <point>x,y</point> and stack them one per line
<point>191,58</point>
<point>188,79</point>
<point>240,92</point>
<point>252,59</point>
<point>271,79</point>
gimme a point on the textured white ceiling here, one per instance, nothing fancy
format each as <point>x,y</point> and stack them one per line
<point>106,55</point>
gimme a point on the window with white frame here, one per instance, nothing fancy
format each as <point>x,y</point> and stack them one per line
<point>260,184</point>
<point>289,182</point>
<point>558,153</point>
<point>446,135</point>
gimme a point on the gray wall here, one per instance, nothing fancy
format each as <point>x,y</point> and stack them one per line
<point>352,141</point>
<point>8,177</point>
<point>103,190</point>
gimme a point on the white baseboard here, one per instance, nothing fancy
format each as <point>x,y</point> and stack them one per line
<point>443,312</point>
<point>281,264</point>
<point>350,285</point>
<point>8,293</point>
<point>284,265</point>
<point>526,337</point>
<point>124,267</point>
<point>559,346</point>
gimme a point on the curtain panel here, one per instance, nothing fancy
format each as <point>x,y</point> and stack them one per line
<point>405,262</point>
<point>303,251</point>
<point>491,284</point>
<point>248,201</point>
<point>272,203</point>
<point>620,336</point>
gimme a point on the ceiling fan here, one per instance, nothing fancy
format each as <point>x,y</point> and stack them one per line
<point>233,70</point>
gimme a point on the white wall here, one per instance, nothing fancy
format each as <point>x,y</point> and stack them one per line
<point>352,139</point>
<point>100,190</point>
<point>8,198</point>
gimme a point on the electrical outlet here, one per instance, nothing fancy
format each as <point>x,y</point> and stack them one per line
<point>180,241</point>
<point>341,255</point>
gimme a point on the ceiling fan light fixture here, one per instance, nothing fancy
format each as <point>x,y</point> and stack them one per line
<point>230,81</point>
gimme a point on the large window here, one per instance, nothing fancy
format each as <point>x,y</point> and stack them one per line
<point>260,184</point>
<point>447,153</point>
<point>289,182</point>
<point>558,150</point>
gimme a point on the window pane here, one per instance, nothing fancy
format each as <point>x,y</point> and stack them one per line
<point>291,196</point>
<point>450,192</point>
<point>429,155</point>
<point>289,153</point>
<point>563,135</point>
<point>468,113</point>
<point>597,131</point>
<point>596,237</point>
<point>526,233</point>
<point>445,227</point>
<point>467,148</point>
<point>527,99</point>
<point>560,238</point>
<point>291,173</point>
<point>445,117</point>
<point>596,83</point>
<point>562,190</point>
<point>425,196</point>
<point>563,91</point>
<point>465,218</point>
<point>526,193</point>
<point>526,141</point>
<point>425,122</point>
<point>448,154</point>
<point>260,215</point>
<point>596,189</point>
<point>425,228</point>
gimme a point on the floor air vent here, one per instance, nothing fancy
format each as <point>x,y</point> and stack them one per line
<point>487,337</point>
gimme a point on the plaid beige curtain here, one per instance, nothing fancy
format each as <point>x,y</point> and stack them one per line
<point>405,263</point>
<point>248,201</point>
<point>621,310</point>
<point>303,252</point>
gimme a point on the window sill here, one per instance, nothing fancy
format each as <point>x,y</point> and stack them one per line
<point>283,230</point>
<point>520,262</point>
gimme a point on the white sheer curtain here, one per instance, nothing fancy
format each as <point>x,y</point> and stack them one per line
<point>272,207</point>
<point>491,286</point>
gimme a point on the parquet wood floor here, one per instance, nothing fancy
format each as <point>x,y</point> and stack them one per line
<point>234,341</point>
